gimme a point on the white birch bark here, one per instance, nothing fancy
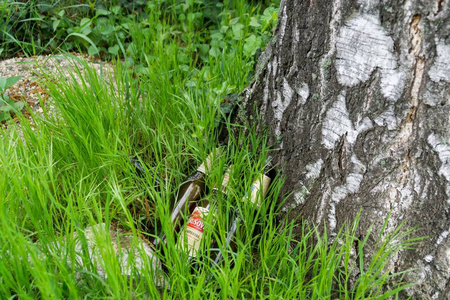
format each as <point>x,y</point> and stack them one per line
<point>356,94</point>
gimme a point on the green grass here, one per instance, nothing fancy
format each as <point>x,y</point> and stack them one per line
<point>71,170</point>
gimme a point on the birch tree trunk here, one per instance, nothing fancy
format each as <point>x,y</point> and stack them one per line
<point>356,94</point>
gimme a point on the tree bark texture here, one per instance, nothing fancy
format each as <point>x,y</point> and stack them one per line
<point>356,96</point>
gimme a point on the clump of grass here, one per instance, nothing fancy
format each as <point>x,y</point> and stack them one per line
<point>70,170</point>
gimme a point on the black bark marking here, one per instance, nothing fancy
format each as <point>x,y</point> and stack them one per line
<point>416,47</point>
<point>440,5</point>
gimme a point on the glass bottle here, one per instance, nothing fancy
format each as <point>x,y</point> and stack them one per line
<point>188,194</point>
<point>192,234</point>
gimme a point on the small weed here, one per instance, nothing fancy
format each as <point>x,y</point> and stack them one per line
<point>8,105</point>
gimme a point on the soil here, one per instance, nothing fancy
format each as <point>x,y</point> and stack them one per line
<point>36,70</point>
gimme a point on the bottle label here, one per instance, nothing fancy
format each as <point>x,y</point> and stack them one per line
<point>196,220</point>
<point>258,190</point>
<point>194,231</point>
<point>205,167</point>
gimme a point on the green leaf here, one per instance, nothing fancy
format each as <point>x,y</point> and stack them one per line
<point>254,22</point>
<point>252,43</point>
<point>6,83</point>
<point>224,29</point>
<point>5,105</point>
<point>214,52</point>
<point>275,16</point>
<point>203,48</point>
<point>4,116</point>
<point>129,62</point>
<point>114,49</point>
<point>85,22</point>
<point>85,28</point>
<point>132,49</point>
<point>184,68</point>
<point>17,106</point>
<point>270,14</point>
<point>183,58</point>
<point>238,33</point>
<point>234,21</point>
<point>116,9</point>
<point>217,36</point>
<point>191,83</point>
<point>86,31</point>
<point>9,101</point>
<point>2,84</point>
<point>102,12</point>
<point>5,108</point>
<point>55,24</point>
<point>108,29</point>
<point>191,17</point>
<point>92,50</point>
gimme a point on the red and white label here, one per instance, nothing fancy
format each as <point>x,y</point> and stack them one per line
<point>196,220</point>
<point>192,235</point>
